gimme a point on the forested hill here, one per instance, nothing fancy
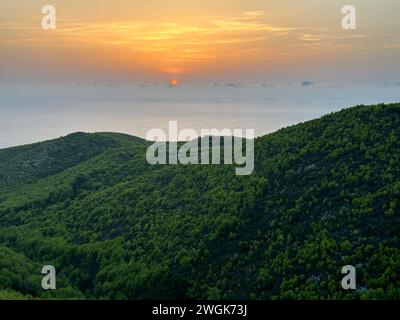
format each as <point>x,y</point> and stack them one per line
<point>323,194</point>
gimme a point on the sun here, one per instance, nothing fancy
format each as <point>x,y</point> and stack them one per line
<point>174,83</point>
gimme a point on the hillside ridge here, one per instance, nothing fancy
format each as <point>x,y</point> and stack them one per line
<point>324,194</point>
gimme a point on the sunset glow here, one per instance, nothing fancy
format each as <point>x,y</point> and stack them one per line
<point>134,41</point>
<point>174,83</point>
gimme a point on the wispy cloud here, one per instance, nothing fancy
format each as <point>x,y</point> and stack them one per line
<point>172,45</point>
<point>177,47</point>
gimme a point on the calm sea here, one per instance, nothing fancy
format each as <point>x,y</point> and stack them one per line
<point>36,113</point>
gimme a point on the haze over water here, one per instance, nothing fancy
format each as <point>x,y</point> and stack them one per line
<point>35,113</point>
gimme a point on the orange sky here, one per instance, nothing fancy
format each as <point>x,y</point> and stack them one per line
<point>188,40</point>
